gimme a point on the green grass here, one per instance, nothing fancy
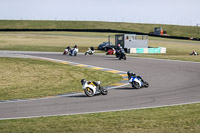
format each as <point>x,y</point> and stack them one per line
<point>172,30</point>
<point>57,41</point>
<point>174,119</point>
<point>49,41</point>
<point>30,78</point>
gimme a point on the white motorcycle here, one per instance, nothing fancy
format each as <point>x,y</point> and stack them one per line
<point>136,81</point>
<point>66,51</point>
<point>73,51</point>
<point>90,51</point>
<point>93,88</point>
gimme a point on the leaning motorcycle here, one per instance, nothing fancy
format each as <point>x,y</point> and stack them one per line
<point>122,55</point>
<point>90,51</point>
<point>111,52</point>
<point>137,82</point>
<point>93,88</point>
<point>73,51</point>
<point>66,51</point>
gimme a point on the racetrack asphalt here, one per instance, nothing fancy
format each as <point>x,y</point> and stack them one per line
<point>171,83</point>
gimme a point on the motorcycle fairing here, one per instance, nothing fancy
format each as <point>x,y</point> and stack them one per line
<point>138,80</point>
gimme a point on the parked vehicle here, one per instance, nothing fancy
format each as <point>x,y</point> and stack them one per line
<point>93,88</point>
<point>90,51</point>
<point>105,46</point>
<point>136,81</point>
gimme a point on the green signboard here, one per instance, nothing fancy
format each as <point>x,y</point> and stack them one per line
<point>140,50</point>
<point>153,50</point>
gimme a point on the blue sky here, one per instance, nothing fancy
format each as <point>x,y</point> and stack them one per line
<point>178,12</point>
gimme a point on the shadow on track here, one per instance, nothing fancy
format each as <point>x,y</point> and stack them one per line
<point>81,95</point>
<point>126,88</point>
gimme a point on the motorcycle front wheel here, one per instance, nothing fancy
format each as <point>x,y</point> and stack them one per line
<point>104,91</point>
<point>89,92</point>
<point>146,84</point>
<point>124,57</point>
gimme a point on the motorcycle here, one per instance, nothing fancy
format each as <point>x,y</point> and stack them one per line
<point>66,51</point>
<point>111,51</point>
<point>122,54</point>
<point>136,81</point>
<point>73,52</point>
<point>90,51</point>
<point>93,88</point>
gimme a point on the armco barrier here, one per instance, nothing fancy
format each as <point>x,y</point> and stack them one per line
<point>147,50</point>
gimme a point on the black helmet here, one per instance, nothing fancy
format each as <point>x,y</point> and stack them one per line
<point>83,81</point>
<point>131,74</point>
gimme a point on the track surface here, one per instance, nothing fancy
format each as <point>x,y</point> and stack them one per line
<point>171,82</point>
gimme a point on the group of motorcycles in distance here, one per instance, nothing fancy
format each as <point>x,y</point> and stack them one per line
<point>119,51</point>
<point>71,51</point>
<point>94,88</point>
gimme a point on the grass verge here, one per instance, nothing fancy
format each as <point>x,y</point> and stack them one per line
<point>174,119</point>
<point>49,41</point>
<point>30,78</point>
<point>172,30</point>
<point>176,50</point>
<point>57,41</point>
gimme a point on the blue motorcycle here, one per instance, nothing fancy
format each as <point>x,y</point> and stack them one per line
<point>136,81</point>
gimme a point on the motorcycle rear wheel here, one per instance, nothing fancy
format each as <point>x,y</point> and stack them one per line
<point>136,85</point>
<point>89,92</point>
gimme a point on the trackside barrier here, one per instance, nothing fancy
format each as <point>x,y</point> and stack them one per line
<point>147,50</point>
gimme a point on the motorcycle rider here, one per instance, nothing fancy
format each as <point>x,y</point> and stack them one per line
<point>118,50</point>
<point>83,81</point>
<point>75,46</point>
<point>72,50</point>
<point>120,53</point>
<point>92,48</point>
<point>67,49</point>
<point>119,47</point>
<point>130,74</point>
<point>194,53</point>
